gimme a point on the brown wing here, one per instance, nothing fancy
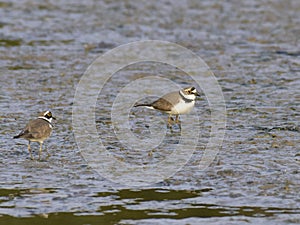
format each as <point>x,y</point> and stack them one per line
<point>36,129</point>
<point>166,102</point>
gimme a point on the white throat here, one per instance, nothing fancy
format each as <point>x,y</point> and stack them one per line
<point>189,97</point>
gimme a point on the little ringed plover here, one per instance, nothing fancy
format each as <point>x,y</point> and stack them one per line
<point>175,103</point>
<point>37,130</point>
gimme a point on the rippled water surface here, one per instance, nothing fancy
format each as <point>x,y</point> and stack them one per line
<point>251,46</point>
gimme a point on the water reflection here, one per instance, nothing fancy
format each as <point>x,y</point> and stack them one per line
<point>134,206</point>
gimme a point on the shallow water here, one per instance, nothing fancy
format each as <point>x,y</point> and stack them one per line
<point>253,49</point>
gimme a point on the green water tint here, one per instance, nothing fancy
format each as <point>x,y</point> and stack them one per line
<point>10,42</point>
<point>131,205</point>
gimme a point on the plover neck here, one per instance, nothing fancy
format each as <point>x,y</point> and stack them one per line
<point>44,118</point>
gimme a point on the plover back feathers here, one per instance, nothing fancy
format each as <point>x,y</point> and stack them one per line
<point>36,130</point>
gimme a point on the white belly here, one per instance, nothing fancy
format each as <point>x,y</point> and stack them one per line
<point>182,107</point>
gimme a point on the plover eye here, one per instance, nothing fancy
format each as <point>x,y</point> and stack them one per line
<point>48,115</point>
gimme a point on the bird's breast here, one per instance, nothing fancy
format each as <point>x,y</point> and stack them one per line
<point>183,107</point>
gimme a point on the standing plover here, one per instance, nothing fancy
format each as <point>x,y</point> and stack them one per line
<point>37,130</point>
<point>175,103</point>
